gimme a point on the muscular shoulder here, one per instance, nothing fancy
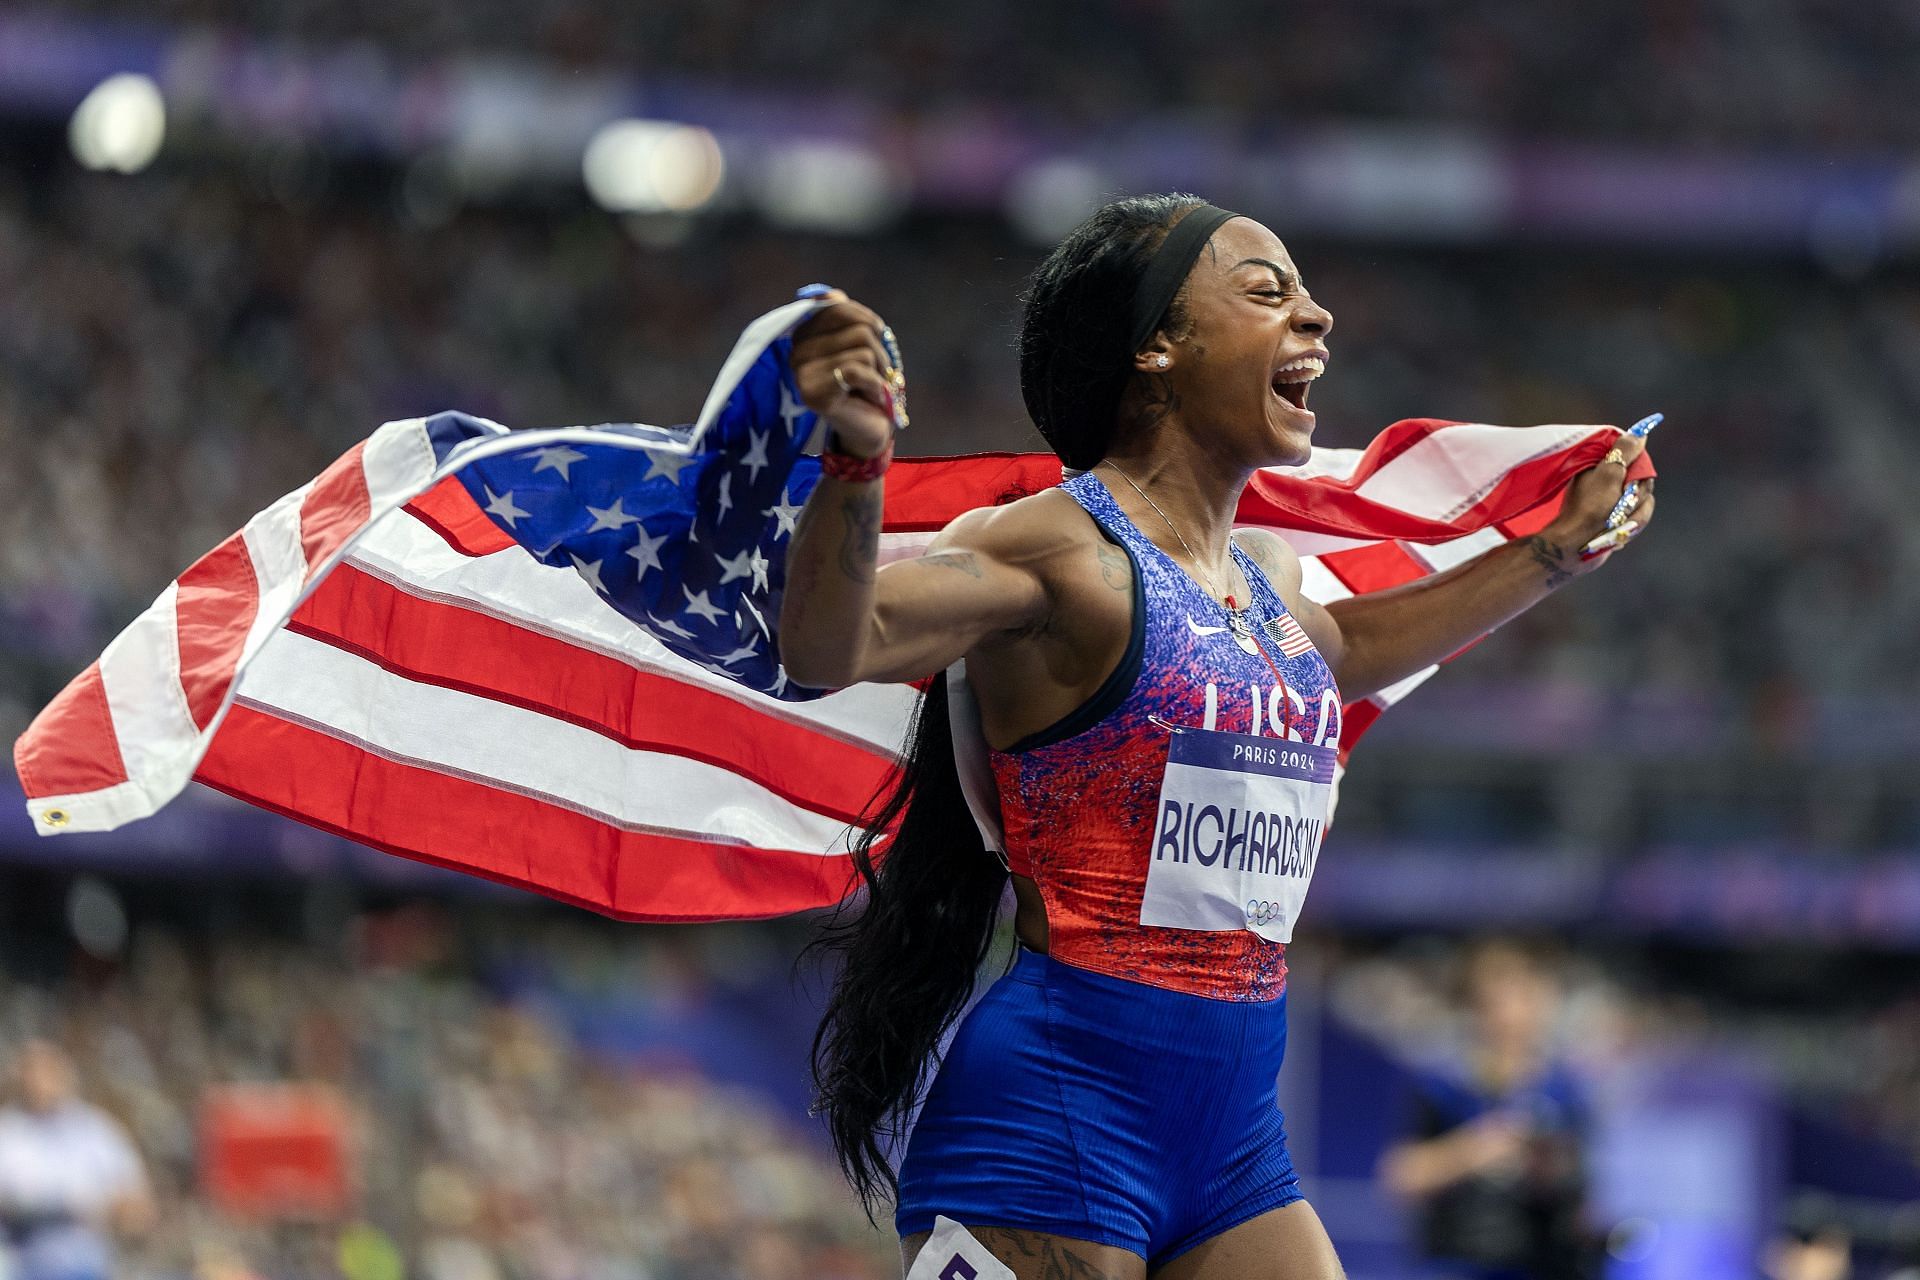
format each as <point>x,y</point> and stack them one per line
<point>1032,533</point>
<point>1280,562</point>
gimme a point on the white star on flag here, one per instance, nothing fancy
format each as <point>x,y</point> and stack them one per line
<point>591,572</point>
<point>741,654</point>
<point>611,517</point>
<point>755,458</point>
<point>557,457</point>
<point>501,504</point>
<point>669,626</point>
<point>758,563</point>
<point>663,462</point>
<point>739,566</point>
<point>790,409</point>
<point>647,550</point>
<point>785,512</point>
<point>726,494</point>
<point>700,605</point>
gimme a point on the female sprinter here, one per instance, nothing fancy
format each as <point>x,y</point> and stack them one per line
<point>1107,1111</point>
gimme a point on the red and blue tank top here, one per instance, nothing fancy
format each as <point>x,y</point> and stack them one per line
<point>1081,801</point>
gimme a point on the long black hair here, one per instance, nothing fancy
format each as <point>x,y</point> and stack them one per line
<point>910,951</point>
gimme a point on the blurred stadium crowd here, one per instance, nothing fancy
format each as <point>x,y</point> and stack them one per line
<point>1812,73</point>
<point>483,1140</point>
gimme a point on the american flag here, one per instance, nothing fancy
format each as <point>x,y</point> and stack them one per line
<point>1289,635</point>
<point>547,657</point>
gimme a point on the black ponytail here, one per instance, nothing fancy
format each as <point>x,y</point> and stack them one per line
<point>910,951</point>
<point>908,955</point>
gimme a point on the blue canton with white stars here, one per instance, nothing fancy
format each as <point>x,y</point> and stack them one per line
<point>690,546</point>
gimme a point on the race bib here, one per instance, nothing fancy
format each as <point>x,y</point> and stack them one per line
<point>1238,831</point>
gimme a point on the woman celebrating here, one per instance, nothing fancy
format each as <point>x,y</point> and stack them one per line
<point>1161,707</point>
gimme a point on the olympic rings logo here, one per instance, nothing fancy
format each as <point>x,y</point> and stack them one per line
<point>1259,912</point>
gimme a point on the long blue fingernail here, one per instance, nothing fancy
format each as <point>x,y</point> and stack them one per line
<point>1645,426</point>
<point>1628,496</point>
<point>814,291</point>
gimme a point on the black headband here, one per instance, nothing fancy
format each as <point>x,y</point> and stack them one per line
<point>1167,271</point>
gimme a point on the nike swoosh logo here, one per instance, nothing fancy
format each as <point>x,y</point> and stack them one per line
<point>1199,630</point>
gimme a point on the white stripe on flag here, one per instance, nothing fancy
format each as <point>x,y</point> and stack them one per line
<point>1450,470</point>
<point>1445,555</point>
<point>339,693</point>
<point>397,462</point>
<point>158,740</point>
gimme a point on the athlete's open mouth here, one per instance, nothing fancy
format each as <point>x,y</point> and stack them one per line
<point>1292,379</point>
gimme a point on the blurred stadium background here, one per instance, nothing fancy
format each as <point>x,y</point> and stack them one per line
<point>235,237</point>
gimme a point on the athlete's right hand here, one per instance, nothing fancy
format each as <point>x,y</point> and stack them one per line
<point>846,336</point>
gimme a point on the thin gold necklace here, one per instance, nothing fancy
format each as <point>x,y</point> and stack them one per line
<point>1236,616</point>
<point>1237,620</point>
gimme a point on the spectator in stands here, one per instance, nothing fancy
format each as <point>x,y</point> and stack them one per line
<point>70,1180</point>
<point>1494,1164</point>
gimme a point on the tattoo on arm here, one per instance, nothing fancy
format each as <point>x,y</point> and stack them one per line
<point>965,561</point>
<point>860,539</point>
<point>1551,558</point>
<point>1115,571</point>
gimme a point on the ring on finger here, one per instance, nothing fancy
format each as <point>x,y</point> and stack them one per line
<point>1615,454</point>
<point>840,380</point>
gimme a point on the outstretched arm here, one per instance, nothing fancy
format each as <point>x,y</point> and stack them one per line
<point>1373,641</point>
<point>843,619</point>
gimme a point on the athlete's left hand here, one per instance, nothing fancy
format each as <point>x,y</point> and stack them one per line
<point>1590,499</point>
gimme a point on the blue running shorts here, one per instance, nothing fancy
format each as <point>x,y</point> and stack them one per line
<point>1105,1110</point>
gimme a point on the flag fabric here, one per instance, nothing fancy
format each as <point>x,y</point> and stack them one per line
<point>548,658</point>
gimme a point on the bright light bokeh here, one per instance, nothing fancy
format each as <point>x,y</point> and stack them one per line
<point>652,166</point>
<point>831,186</point>
<point>120,125</point>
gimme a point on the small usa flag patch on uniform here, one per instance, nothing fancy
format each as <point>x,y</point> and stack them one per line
<point>1286,633</point>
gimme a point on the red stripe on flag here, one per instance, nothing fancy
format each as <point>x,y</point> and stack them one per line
<point>432,817</point>
<point>450,511</point>
<point>213,611</point>
<point>924,494</point>
<point>335,508</point>
<point>1355,719</point>
<point>1374,568</point>
<point>462,649</point>
<point>70,747</point>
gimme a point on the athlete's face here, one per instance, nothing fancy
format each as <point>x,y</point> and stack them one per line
<point>1254,342</point>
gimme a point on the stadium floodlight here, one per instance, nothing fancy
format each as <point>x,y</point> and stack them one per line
<point>1048,199</point>
<point>830,186</point>
<point>120,124</point>
<point>652,166</point>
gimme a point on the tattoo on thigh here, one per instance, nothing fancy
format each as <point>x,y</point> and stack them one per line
<point>1035,1256</point>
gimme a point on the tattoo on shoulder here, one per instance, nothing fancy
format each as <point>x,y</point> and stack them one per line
<point>1115,571</point>
<point>965,561</point>
<point>1551,558</point>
